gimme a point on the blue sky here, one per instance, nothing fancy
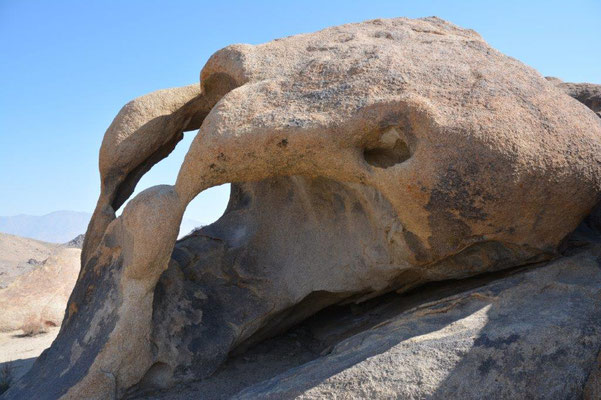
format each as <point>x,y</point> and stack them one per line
<point>67,67</point>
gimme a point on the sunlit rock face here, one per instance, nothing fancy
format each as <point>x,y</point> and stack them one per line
<point>364,158</point>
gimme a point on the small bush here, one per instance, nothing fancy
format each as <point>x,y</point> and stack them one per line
<point>6,377</point>
<point>33,326</point>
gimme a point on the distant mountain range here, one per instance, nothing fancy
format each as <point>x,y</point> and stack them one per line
<point>61,226</point>
<point>57,227</point>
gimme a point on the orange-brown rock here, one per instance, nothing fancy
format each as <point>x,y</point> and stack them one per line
<point>366,158</point>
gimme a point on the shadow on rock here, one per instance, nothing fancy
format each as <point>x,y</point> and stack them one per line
<point>534,334</point>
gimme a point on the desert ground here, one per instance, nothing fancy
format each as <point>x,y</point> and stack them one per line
<point>36,278</point>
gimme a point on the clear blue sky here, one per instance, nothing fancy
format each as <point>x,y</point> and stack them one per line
<point>67,67</point>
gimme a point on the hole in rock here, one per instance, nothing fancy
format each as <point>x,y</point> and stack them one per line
<point>390,150</point>
<point>205,209</point>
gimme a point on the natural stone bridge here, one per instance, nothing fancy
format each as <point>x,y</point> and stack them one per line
<point>364,159</point>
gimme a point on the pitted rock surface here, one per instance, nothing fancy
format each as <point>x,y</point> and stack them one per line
<point>364,158</point>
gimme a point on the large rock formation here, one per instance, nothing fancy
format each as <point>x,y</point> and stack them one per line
<point>529,333</point>
<point>365,158</point>
<point>532,335</point>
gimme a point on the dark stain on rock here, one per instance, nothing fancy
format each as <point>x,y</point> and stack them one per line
<point>110,241</point>
<point>338,203</point>
<point>487,365</point>
<point>454,203</point>
<point>84,306</point>
<point>499,343</point>
<point>416,246</point>
<point>456,191</point>
<point>240,198</point>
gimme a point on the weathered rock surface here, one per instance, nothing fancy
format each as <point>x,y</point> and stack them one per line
<point>40,296</point>
<point>530,332</point>
<point>533,332</point>
<point>532,335</point>
<point>365,158</point>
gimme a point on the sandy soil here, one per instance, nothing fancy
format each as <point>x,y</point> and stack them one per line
<point>21,351</point>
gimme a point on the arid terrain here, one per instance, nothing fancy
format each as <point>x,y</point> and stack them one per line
<point>36,279</point>
<point>19,255</point>
<point>413,215</point>
<point>18,351</point>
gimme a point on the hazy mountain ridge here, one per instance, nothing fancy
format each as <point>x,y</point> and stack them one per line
<point>60,226</point>
<point>56,227</point>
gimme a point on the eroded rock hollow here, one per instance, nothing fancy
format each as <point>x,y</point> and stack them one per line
<point>364,159</point>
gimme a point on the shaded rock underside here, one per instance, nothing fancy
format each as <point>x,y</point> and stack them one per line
<point>529,332</point>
